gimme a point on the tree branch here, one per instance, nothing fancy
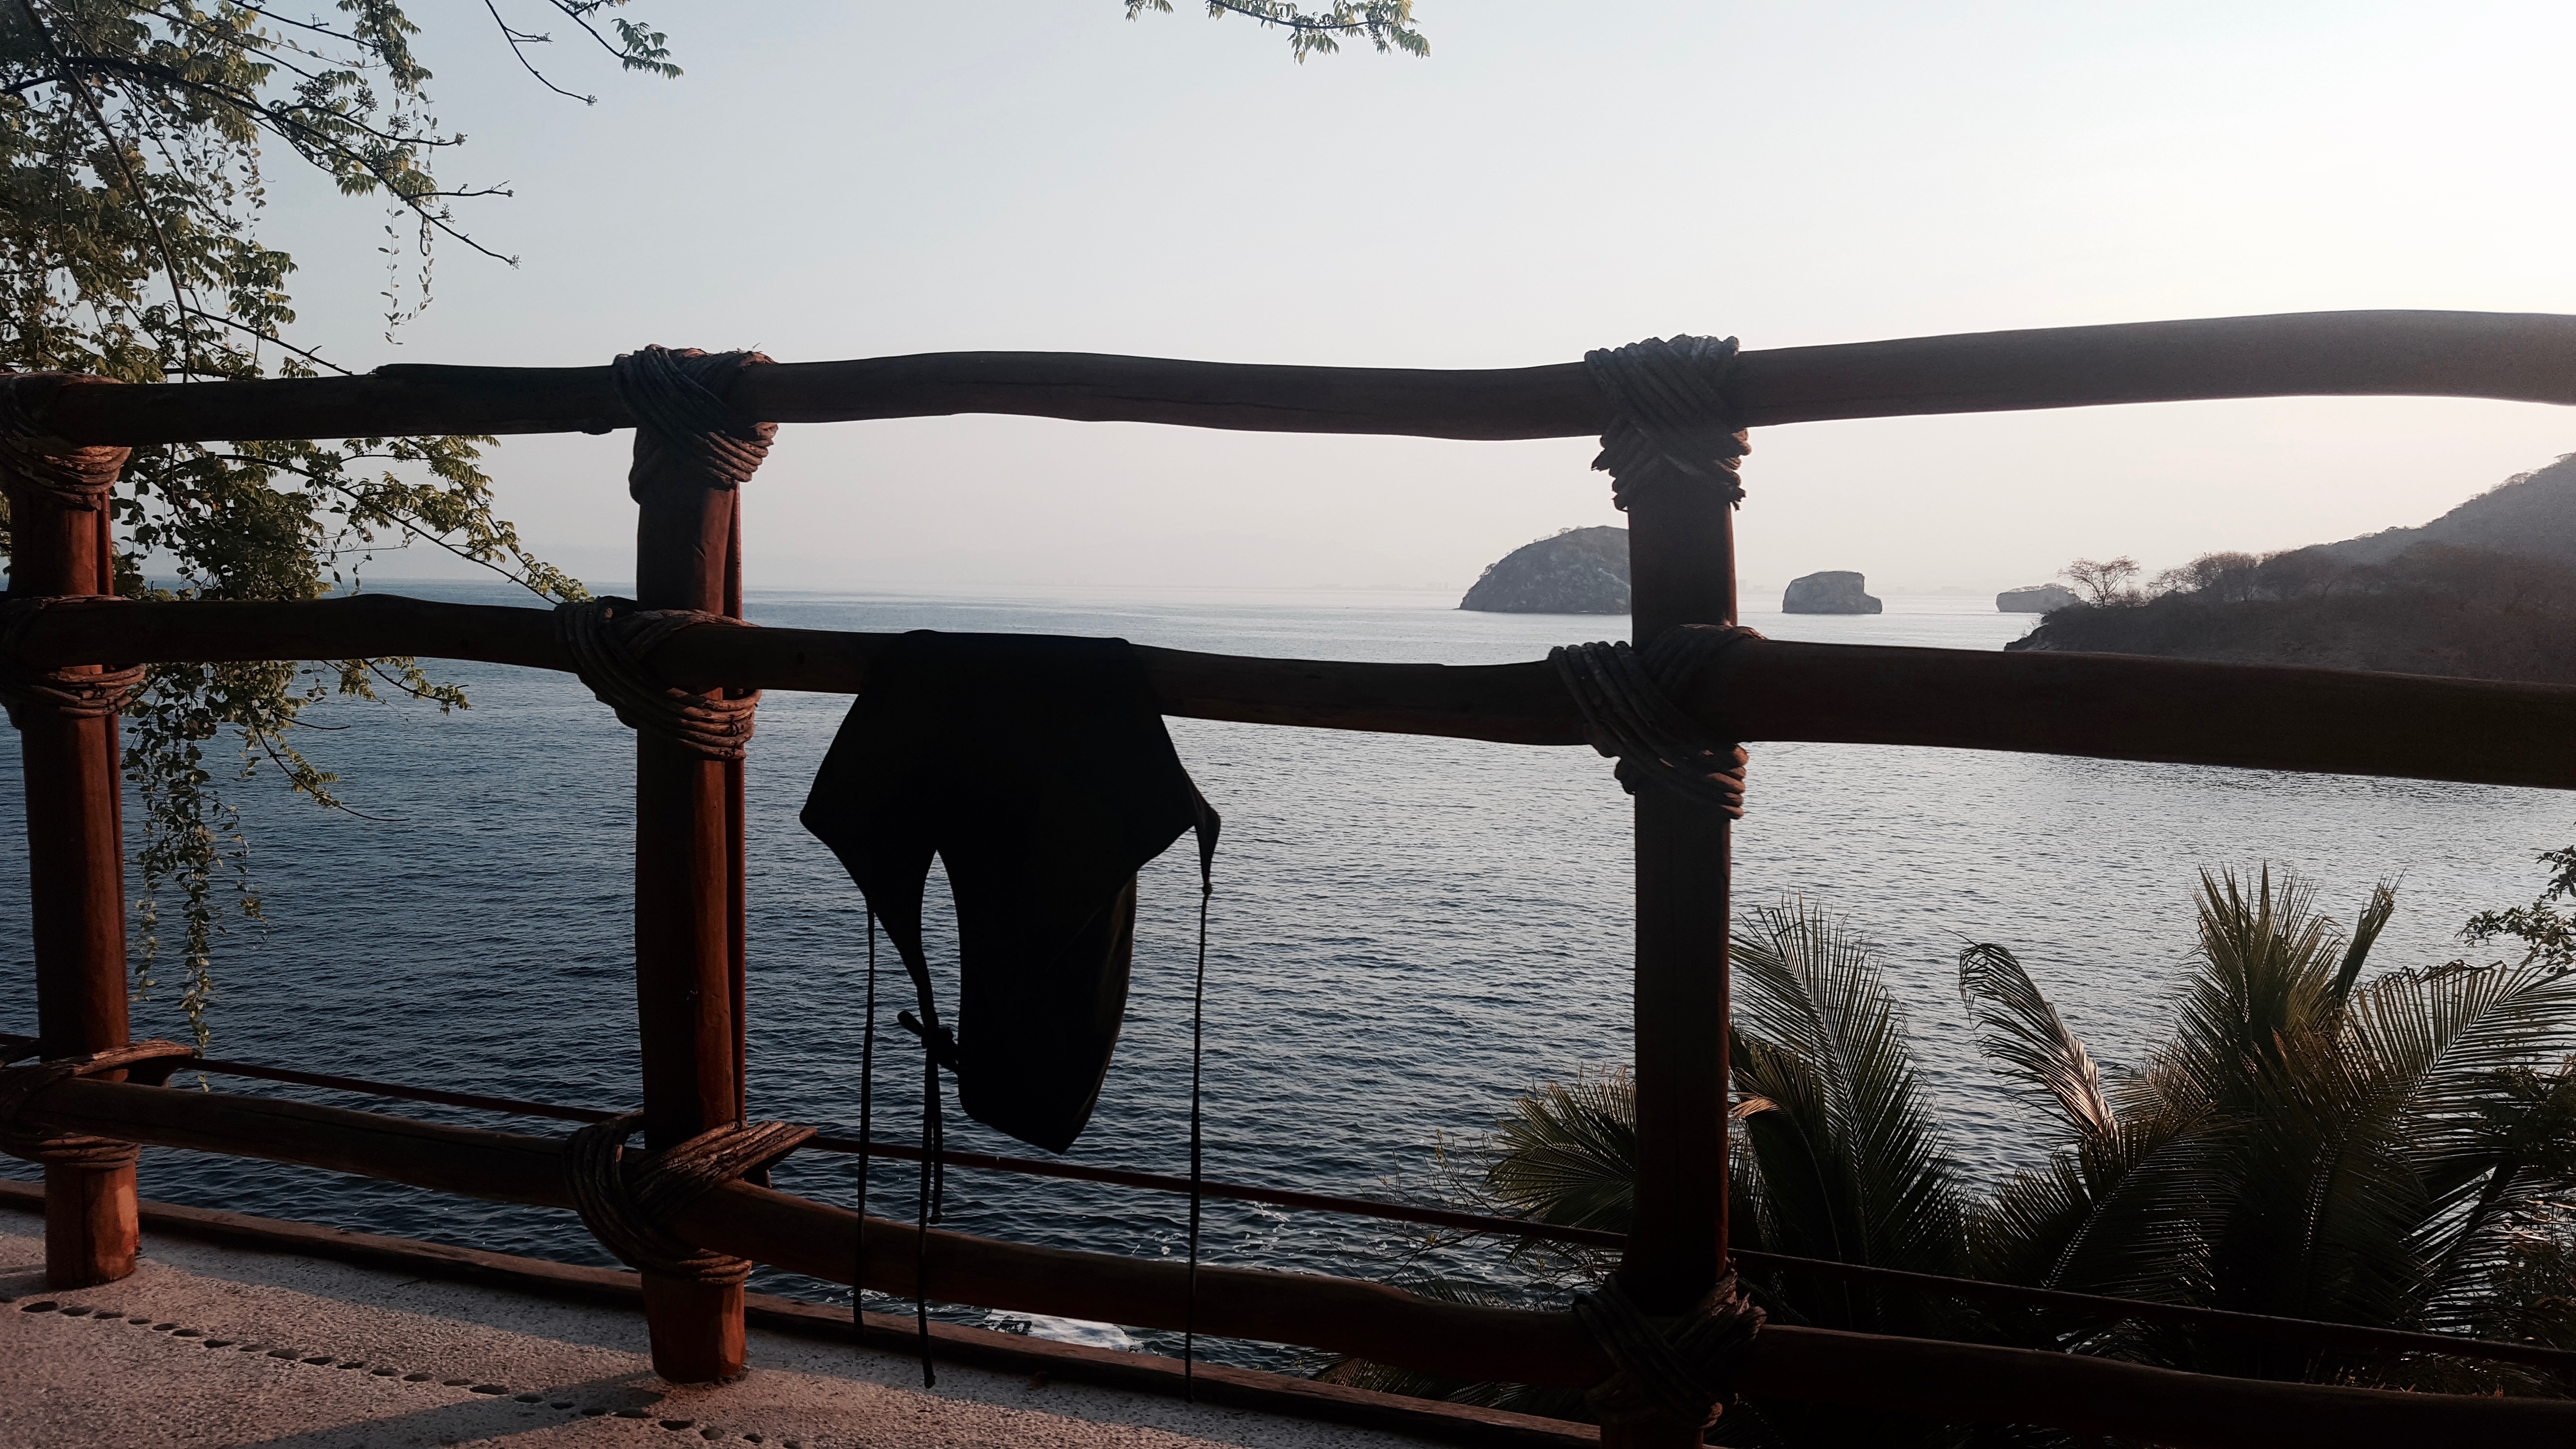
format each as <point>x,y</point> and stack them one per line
<point>397,520</point>
<point>264,335</point>
<point>116,150</point>
<point>1292,20</point>
<point>301,24</point>
<point>289,126</point>
<point>519,42</point>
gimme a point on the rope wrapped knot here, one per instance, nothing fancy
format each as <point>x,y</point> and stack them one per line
<point>625,1209</point>
<point>1673,422</point>
<point>79,1149</point>
<point>685,431</point>
<point>73,477</point>
<point>70,692</point>
<point>1680,1368</point>
<point>609,639</point>
<point>1627,696</point>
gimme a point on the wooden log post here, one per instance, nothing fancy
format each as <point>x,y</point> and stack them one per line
<point>1681,566</point>
<point>689,873</point>
<point>61,546</point>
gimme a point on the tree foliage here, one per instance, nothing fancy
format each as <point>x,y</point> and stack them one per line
<point>2546,928</point>
<point>2307,1143</point>
<point>137,141</point>
<point>2103,581</point>
<point>2312,1145</point>
<point>1386,24</point>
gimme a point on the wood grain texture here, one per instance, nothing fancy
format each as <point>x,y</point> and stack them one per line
<point>2104,706</point>
<point>75,887</point>
<point>688,858</point>
<point>2520,356</point>
<point>1961,1382</point>
<point>1682,571</point>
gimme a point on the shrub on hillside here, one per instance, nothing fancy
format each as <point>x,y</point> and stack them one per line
<point>2435,609</point>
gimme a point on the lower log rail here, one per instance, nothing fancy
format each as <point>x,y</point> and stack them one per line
<point>2103,706</point>
<point>1016,1354</point>
<point>1954,1381</point>
<point>2357,1338</point>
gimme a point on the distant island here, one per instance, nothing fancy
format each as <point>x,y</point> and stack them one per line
<point>2035,599</point>
<point>1578,571</point>
<point>2486,591</point>
<point>1835,591</point>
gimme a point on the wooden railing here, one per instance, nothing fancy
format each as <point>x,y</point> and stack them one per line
<point>2107,706</point>
<point>2517,357</point>
<point>690,842</point>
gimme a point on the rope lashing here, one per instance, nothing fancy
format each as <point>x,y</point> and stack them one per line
<point>1627,696</point>
<point>610,638</point>
<point>77,1149</point>
<point>1673,420</point>
<point>685,432</point>
<point>626,1210</point>
<point>67,692</point>
<point>74,478</point>
<point>1682,1368</point>
<point>34,464</point>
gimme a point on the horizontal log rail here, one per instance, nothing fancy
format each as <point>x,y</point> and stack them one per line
<point>1955,1381</point>
<point>2104,706</point>
<point>1017,1354</point>
<point>956,1157</point>
<point>2360,1338</point>
<point>2527,357</point>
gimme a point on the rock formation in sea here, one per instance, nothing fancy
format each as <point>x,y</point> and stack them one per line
<point>1835,591</point>
<point>1579,571</point>
<point>2035,599</point>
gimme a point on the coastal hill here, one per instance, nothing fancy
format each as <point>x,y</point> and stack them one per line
<point>2532,513</point>
<point>1578,571</point>
<point>2486,591</point>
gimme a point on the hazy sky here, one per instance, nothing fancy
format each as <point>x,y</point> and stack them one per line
<point>848,180</point>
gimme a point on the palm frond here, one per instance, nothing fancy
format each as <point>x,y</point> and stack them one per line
<point>2365,934</point>
<point>2131,1215</point>
<point>2263,977</point>
<point>2019,1029</point>
<point>2433,1049</point>
<point>2439,1067</point>
<point>1847,1151</point>
<point>2350,1122</point>
<point>1567,1154</point>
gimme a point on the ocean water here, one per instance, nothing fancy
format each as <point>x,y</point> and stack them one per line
<point>1406,932</point>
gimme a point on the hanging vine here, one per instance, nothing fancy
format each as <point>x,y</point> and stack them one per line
<point>132,139</point>
<point>133,136</point>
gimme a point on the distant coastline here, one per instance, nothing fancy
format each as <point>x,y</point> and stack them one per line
<point>2487,591</point>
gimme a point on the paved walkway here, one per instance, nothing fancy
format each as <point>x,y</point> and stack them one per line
<point>214,1346</point>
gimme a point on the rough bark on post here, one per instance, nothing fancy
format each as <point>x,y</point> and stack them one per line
<point>75,846</point>
<point>688,930</point>
<point>1681,563</point>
